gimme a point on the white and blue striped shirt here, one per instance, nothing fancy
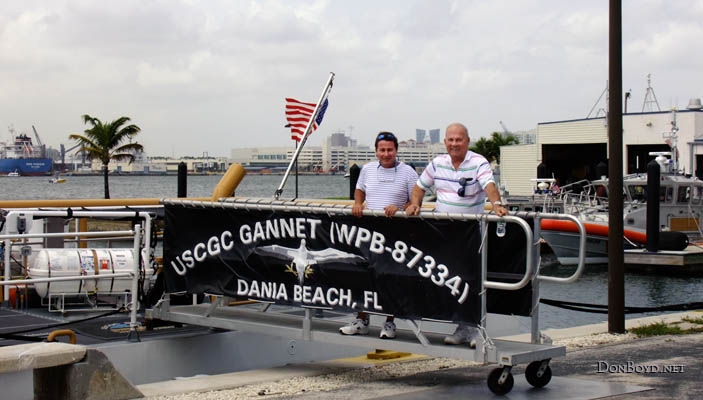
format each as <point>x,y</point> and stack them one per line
<point>386,186</point>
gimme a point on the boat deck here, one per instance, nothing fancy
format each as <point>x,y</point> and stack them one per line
<point>39,323</point>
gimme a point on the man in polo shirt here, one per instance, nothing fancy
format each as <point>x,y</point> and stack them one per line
<point>386,185</point>
<point>462,180</point>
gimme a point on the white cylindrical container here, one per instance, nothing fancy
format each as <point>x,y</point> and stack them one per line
<point>87,262</point>
<point>56,263</point>
<point>122,261</point>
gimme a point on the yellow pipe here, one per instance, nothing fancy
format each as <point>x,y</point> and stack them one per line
<point>229,182</point>
<point>83,227</point>
<point>62,332</point>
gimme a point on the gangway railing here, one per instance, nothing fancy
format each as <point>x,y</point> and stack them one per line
<point>502,352</point>
<point>19,218</point>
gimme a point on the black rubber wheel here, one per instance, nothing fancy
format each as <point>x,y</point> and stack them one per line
<point>533,379</point>
<point>497,388</point>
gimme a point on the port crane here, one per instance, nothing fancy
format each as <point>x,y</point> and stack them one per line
<point>64,151</point>
<point>506,132</point>
<point>39,142</point>
<point>36,135</point>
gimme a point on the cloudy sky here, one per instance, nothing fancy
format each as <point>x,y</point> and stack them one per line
<point>208,76</point>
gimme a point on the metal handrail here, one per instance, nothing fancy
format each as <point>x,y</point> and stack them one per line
<point>528,256</point>
<point>582,250</point>
<point>67,278</point>
<point>66,234</point>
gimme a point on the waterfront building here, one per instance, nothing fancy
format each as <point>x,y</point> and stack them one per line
<point>339,139</point>
<point>270,158</point>
<point>410,152</point>
<point>335,155</point>
<point>159,165</point>
<point>525,137</point>
<point>578,149</point>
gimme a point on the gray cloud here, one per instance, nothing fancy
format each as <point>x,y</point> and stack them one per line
<point>208,76</point>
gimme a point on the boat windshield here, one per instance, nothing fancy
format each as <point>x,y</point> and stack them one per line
<point>684,195</point>
<point>666,194</point>
<point>697,194</point>
<point>638,193</point>
<point>601,190</point>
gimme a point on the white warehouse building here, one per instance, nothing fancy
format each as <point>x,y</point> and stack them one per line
<point>330,157</point>
<point>578,149</point>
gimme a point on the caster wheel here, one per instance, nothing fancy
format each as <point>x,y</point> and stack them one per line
<point>533,379</point>
<point>497,388</point>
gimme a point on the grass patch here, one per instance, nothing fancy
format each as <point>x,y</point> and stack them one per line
<point>661,328</point>
<point>657,329</point>
<point>698,321</point>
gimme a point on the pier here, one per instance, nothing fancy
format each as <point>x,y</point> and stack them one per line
<point>685,261</point>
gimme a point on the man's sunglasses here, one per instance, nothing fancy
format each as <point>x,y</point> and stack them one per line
<point>385,136</point>
<point>462,186</point>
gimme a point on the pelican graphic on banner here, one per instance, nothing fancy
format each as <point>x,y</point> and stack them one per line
<point>302,258</point>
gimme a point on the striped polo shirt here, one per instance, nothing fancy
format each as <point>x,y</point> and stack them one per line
<point>441,175</point>
<point>386,186</point>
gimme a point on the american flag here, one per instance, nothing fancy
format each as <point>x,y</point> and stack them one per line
<point>298,115</point>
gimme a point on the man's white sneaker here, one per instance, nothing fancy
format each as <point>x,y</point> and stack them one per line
<point>356,327</point>
<point>388,331</point>
<point>463,334</point>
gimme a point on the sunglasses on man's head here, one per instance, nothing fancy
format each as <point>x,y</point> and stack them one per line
<point>385,136</point>
<point>462,186</point>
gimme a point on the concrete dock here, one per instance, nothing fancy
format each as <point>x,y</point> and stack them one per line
<point>597,365</point>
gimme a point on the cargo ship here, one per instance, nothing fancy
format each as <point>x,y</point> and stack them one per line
<point>23,157</point>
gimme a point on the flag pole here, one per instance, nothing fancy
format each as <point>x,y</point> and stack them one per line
<point>323,96</point>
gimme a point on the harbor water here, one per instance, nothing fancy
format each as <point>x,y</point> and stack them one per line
<point>160,186</point>
<point>641,290</point>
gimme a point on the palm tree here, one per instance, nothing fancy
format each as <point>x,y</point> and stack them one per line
<point>490,148</point>
<point>104,142</point>
<point>482,147</point>
<point>498,140</point>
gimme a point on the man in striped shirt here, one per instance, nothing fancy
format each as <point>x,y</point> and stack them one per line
<point>462,180</point>
<point>384,185</point>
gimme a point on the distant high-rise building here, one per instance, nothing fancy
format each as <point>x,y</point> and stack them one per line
<point>420,135</point>
<point>434,136</point>
<point>339,139</point>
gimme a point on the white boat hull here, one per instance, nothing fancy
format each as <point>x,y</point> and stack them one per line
<point>565,246</point>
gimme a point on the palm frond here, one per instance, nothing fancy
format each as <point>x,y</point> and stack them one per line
<point>136,147</point>
<point>88,119</point>
<point>123,157</point>
<point>82,140</point>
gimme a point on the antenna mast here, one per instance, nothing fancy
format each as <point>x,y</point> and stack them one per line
<point>671,138</point>
<point>597,102</point>
<point>650,99</point>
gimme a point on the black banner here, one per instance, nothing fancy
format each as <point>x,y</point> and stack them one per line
<point>410,268</point>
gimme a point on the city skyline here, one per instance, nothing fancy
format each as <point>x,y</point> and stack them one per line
<point>205,77</point>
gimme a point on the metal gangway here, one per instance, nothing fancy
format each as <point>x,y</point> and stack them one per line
<point>506,354</point>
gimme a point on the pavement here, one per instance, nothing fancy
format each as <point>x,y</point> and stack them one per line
<point>661,367</point>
